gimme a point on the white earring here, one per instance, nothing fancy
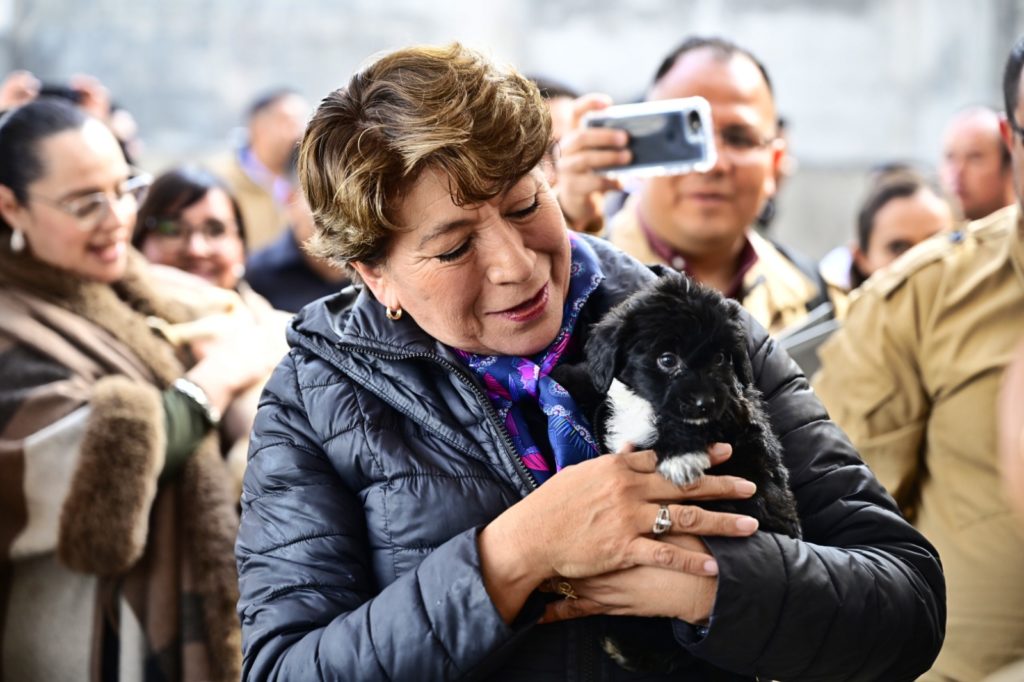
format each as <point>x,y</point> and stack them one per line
<point>17,241</point>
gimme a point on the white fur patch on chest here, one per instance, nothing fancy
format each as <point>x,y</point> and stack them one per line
<point>631,419</point>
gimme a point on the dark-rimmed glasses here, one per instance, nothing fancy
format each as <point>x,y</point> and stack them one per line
<point>177,231</point>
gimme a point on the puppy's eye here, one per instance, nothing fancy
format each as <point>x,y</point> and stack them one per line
<point>718,359</point>
<point>668,361</point>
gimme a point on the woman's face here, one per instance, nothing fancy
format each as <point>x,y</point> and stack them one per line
<point>488,278</point>
<point>901,224</point>
<point>203,239</point>
<point>78,163</point>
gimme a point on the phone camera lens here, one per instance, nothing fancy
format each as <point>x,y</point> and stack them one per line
<point>693,121</point>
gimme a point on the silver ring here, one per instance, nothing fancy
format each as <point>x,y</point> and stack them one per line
<point>662,522</point>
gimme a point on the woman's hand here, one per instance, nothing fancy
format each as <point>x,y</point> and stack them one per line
<point>596,517</point>
<point>640,591</point>
<point>95,98</point>
<point>236,358</point>
<point>580,190</point>
<point>19,87</point>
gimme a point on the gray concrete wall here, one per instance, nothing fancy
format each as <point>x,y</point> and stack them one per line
<point>861,81</point>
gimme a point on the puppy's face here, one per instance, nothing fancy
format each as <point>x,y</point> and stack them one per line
<point>678,345</point>
<point>687,376</point>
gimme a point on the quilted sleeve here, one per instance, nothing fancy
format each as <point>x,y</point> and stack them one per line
<point>310,607</point>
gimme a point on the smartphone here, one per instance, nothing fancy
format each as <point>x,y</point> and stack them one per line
<point>666,137</point>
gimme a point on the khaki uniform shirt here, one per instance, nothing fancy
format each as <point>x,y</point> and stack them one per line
<point>775,291</point>
<point>264,219</point>
<point>912,377</point>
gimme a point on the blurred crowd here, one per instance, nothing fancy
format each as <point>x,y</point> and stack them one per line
<point>906,330</point>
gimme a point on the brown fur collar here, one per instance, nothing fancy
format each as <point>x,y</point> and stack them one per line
<point>121,309</point>
<point>125,435</point>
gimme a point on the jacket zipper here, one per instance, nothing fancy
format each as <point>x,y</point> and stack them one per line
<point>508,450</point>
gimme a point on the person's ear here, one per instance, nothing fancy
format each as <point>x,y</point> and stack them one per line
<point>1006,131</point>
<point>13,213</point>
<point>777,149</point>
<point>860,259</point>
<point>378,280</point>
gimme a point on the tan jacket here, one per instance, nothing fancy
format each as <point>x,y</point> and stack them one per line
<point>912,377</point>
<point>777,291</point>
<point>264,219</point>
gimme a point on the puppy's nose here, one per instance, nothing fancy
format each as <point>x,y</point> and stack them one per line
<point>704,402</point>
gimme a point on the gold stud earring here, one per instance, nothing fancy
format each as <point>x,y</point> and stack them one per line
<point>393,315</point>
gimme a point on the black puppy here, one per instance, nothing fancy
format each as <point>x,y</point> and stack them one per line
<point>667,369</point>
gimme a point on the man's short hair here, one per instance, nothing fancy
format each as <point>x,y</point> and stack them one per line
<point>267,99</point>
<point>722,47</point>
<point>1011,81</point>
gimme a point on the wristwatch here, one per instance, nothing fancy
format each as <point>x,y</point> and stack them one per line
<point>197,395</point>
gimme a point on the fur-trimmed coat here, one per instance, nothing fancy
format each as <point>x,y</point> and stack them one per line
<point>104,572</point>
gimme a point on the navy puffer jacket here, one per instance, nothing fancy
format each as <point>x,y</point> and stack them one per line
<point>376,459</point>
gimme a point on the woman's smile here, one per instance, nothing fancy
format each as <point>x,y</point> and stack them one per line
<point>108,252</point>
<point>528,310</point>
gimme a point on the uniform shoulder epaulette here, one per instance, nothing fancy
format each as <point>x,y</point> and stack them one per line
<point>889,280</point>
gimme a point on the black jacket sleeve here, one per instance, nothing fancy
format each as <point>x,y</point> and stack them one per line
<point>861,597</point>
<point>310,607</point>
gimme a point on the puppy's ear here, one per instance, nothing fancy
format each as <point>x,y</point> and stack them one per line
<point>738,345</point>
<point>602,356</point>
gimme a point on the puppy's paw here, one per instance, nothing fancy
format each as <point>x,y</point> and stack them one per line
<point>684,469</point>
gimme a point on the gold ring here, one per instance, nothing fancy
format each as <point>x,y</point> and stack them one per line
<point>565,589</point>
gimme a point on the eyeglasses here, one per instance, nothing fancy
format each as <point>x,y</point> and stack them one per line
<point>90,210</point>
<point>177,231</point>
<point>741,144</point>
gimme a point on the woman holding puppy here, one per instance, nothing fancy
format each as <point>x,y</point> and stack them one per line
<point>116,518</point>
<point>423,501</point>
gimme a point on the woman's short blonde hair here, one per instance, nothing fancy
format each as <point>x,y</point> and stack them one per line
<point>446,108</point>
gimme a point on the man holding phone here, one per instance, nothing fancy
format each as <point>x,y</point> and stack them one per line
<point>700,223</point>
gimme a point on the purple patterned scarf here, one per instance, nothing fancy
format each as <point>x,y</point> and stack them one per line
<point>510,380</point>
